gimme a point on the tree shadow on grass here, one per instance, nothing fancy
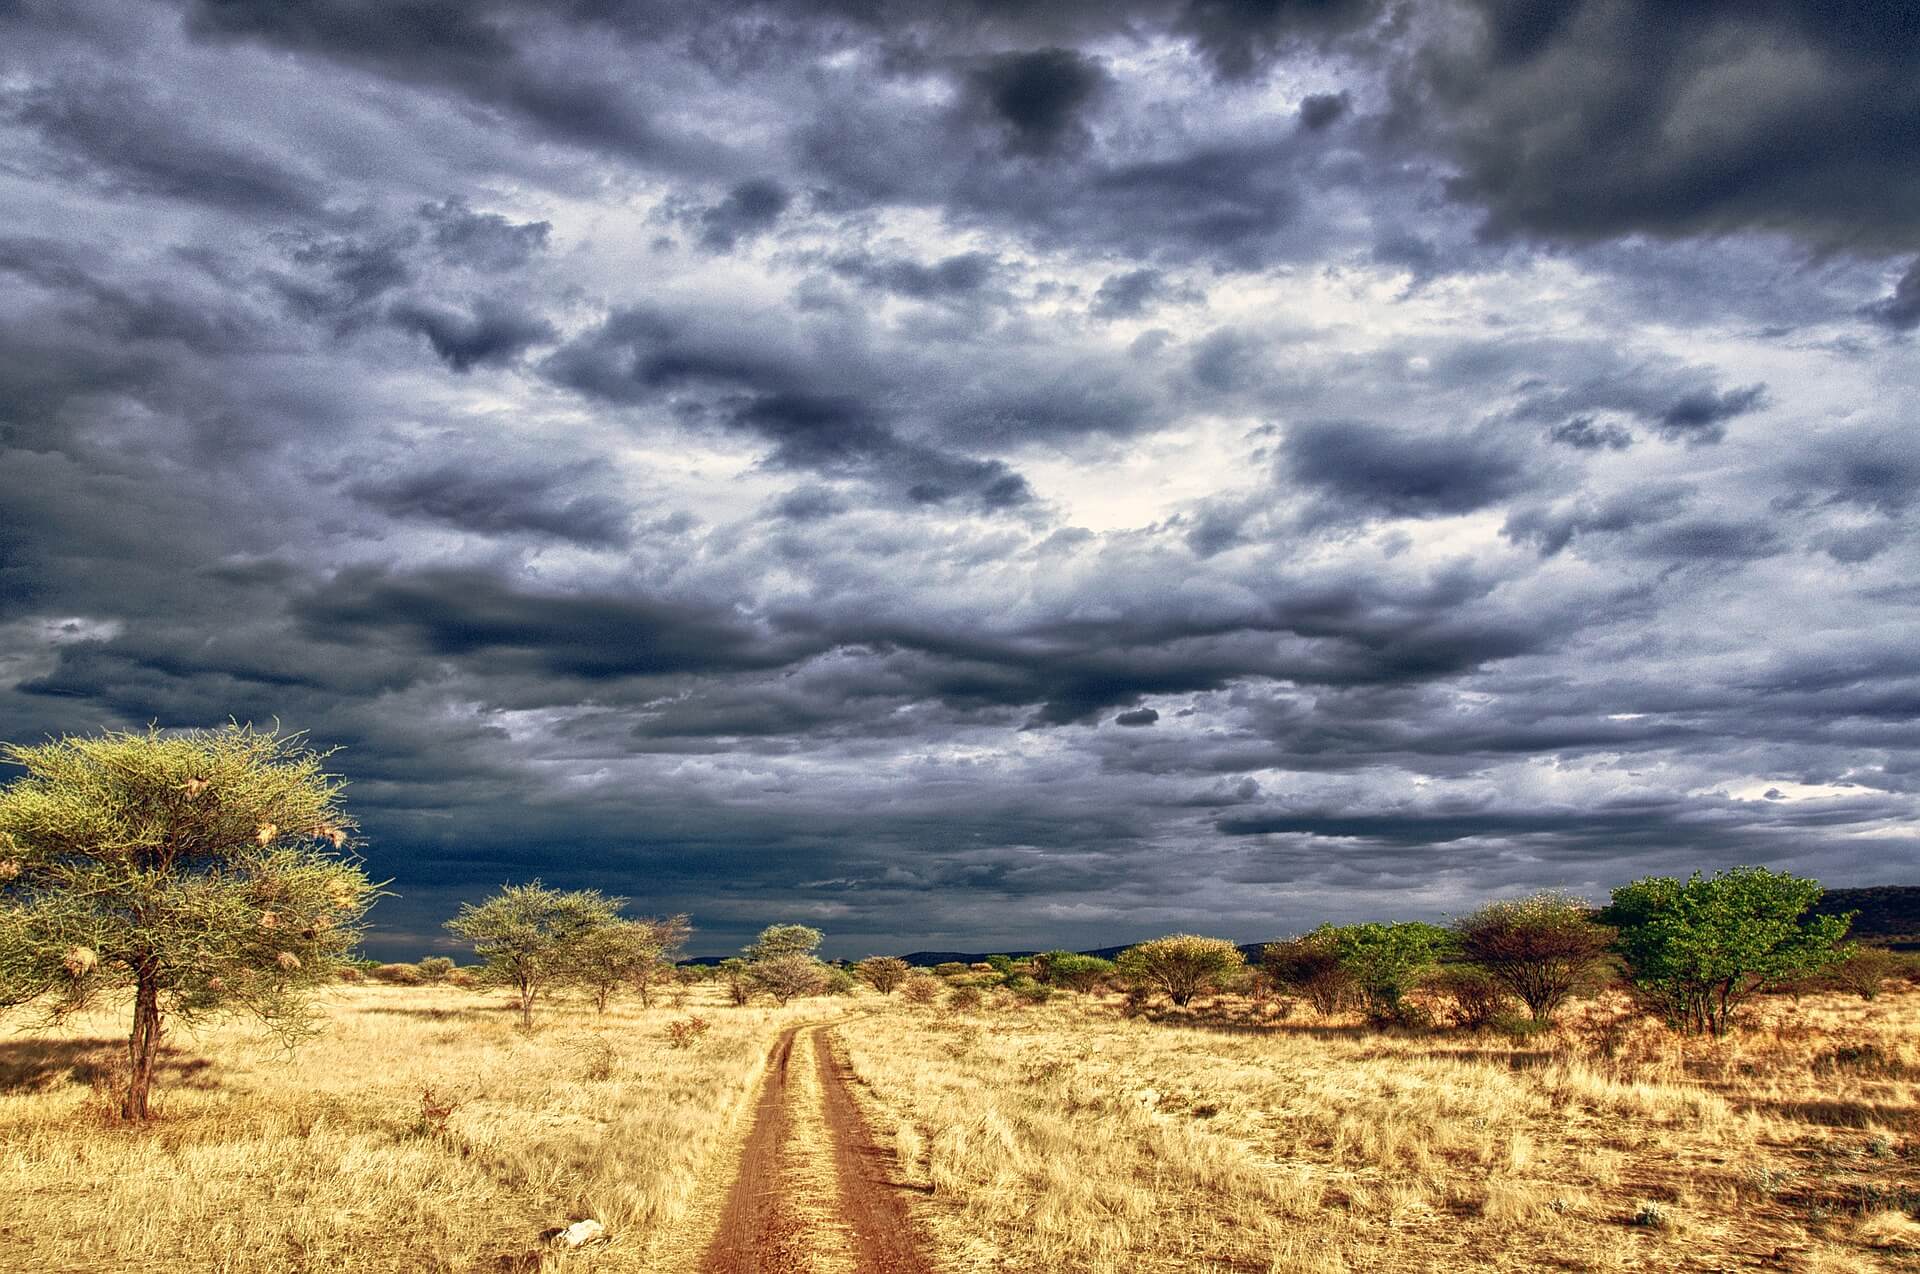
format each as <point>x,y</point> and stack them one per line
<point>35,1065</point>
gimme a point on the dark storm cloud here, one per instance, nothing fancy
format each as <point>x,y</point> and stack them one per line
<point>1367,469</point>
<point>1037,98</point>
<point>504,502</point>
<point>1588,120</point>
<point>749,209</point>
<point>981,475</point>
<point>492,334</point>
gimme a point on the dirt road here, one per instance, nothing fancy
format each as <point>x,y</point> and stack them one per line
<point>816,1193</point>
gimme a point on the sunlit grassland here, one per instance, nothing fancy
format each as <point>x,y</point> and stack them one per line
<point>1067,1137</point>
<point>325,1159</point>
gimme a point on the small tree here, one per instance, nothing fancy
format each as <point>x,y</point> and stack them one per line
<point>1386,960</point>
<point>1697,951</point>
<point>921,988</point>
<point>1310,968</point>
<point>786,977</point>
<point>1072,970</point>
<point>1479,999</point>
<point>625,953</point>
<point>883,973</point>
<point>1542,948</point>
<point>737,976</point>
<point>434,968</point>
<point>1865,971</point>
<point>1181,965</point>
<point>783,940</point>
<point>203,870</point>
<point>529,937</point>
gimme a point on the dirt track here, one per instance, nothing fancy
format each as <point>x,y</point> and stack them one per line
<point>815,1192</point>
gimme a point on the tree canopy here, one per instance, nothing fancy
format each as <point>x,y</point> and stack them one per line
<point>207,870</point>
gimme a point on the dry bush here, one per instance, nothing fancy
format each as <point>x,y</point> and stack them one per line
<point>1475,999</point>
<point>921,989</point>
<point>398,975</point>
<point>686,1032</point>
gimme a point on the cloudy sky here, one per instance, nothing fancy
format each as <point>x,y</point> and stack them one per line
<point>984,474</point>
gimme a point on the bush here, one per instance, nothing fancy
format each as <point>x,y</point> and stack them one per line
<point>1071,971</point>
<point>398,974</point>
<point>1864,971</point>
<point>1478,999</point>
<point>686,1032</point>
<point>883,973</point>
<point>462,978</point>
<point>920,988</point>
<point>434,968</point>
<point>840,982</point>
<point>949,968</point>
<point>964,999</point>
<point>349,973</point>
<point>1181,965</point>
<point>1385,961</point>
<point>735,974</point>
<point>1542,948</point>
<point>1310,968</point>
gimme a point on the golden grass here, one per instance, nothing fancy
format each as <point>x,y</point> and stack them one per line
<point>1061,1137</point>
<point>323,1161</point>
<point>1066,1137</point>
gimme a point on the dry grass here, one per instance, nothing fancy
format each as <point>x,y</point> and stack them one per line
<point>330,1159</point>
<point>1062,1137</point>
<point>1068,1137</point>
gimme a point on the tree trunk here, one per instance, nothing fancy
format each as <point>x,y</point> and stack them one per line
<point>142,1046</point>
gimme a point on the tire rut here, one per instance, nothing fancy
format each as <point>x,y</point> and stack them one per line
<point>763,1229</point>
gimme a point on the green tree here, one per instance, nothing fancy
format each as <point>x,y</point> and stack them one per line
<point>204,870</point>
<point>625,953</point>
<point>1542,948</point>
<point>782,940</point>
<point>1385,961</point>
<point>1072,970</point>
<point>529,937</point>
<point>883,973</point>
<point>1181,965</point>
<point>1699,950</point>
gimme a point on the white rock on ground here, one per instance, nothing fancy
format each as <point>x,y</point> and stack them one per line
<point>580,1233</point>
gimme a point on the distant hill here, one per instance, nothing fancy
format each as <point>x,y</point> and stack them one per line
<point>1888,913</point>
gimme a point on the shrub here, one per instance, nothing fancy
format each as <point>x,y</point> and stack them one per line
<point>1071,970</point>
<point>1542,948</point>
<point>1385,961</point>
<point>686,1032</point>
<point>1181,965</point>
<point>1310,968</point>
<point>964,999</point>
<point>462,978</point>
<point>1478,999</point>
<point>1697,951</point>
<point>1027,991</point>
<point>949,968</point>
<point>1864,971</point>
<point>399,974</point>
<point>1001,964</point>
<point>349,973</point>
<point>735,974</point>
<point>840,981</point>
<point>625,953</point>
<point>920,988</point>
<point>434,968</point>
<point>883,973</point>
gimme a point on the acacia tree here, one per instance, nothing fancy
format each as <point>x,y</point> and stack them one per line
<point>736,975</point>
<point>1698,950</point>
<point>883,973</point>
<point>625,953</point>
<point>205,870</point>
<point>789,976</point>
<point>1072,970</point>
<point>529,938</point>
<point>783,940</point>
<point>1182,965</point>
<point>1543,947</point>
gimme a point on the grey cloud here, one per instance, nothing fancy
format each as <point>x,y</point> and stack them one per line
<point>504,501</point>
<point>749,209</point>
<point>1365,469</point>
<point>492,334</point>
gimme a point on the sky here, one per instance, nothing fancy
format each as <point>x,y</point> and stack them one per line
<point>983,475</point>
